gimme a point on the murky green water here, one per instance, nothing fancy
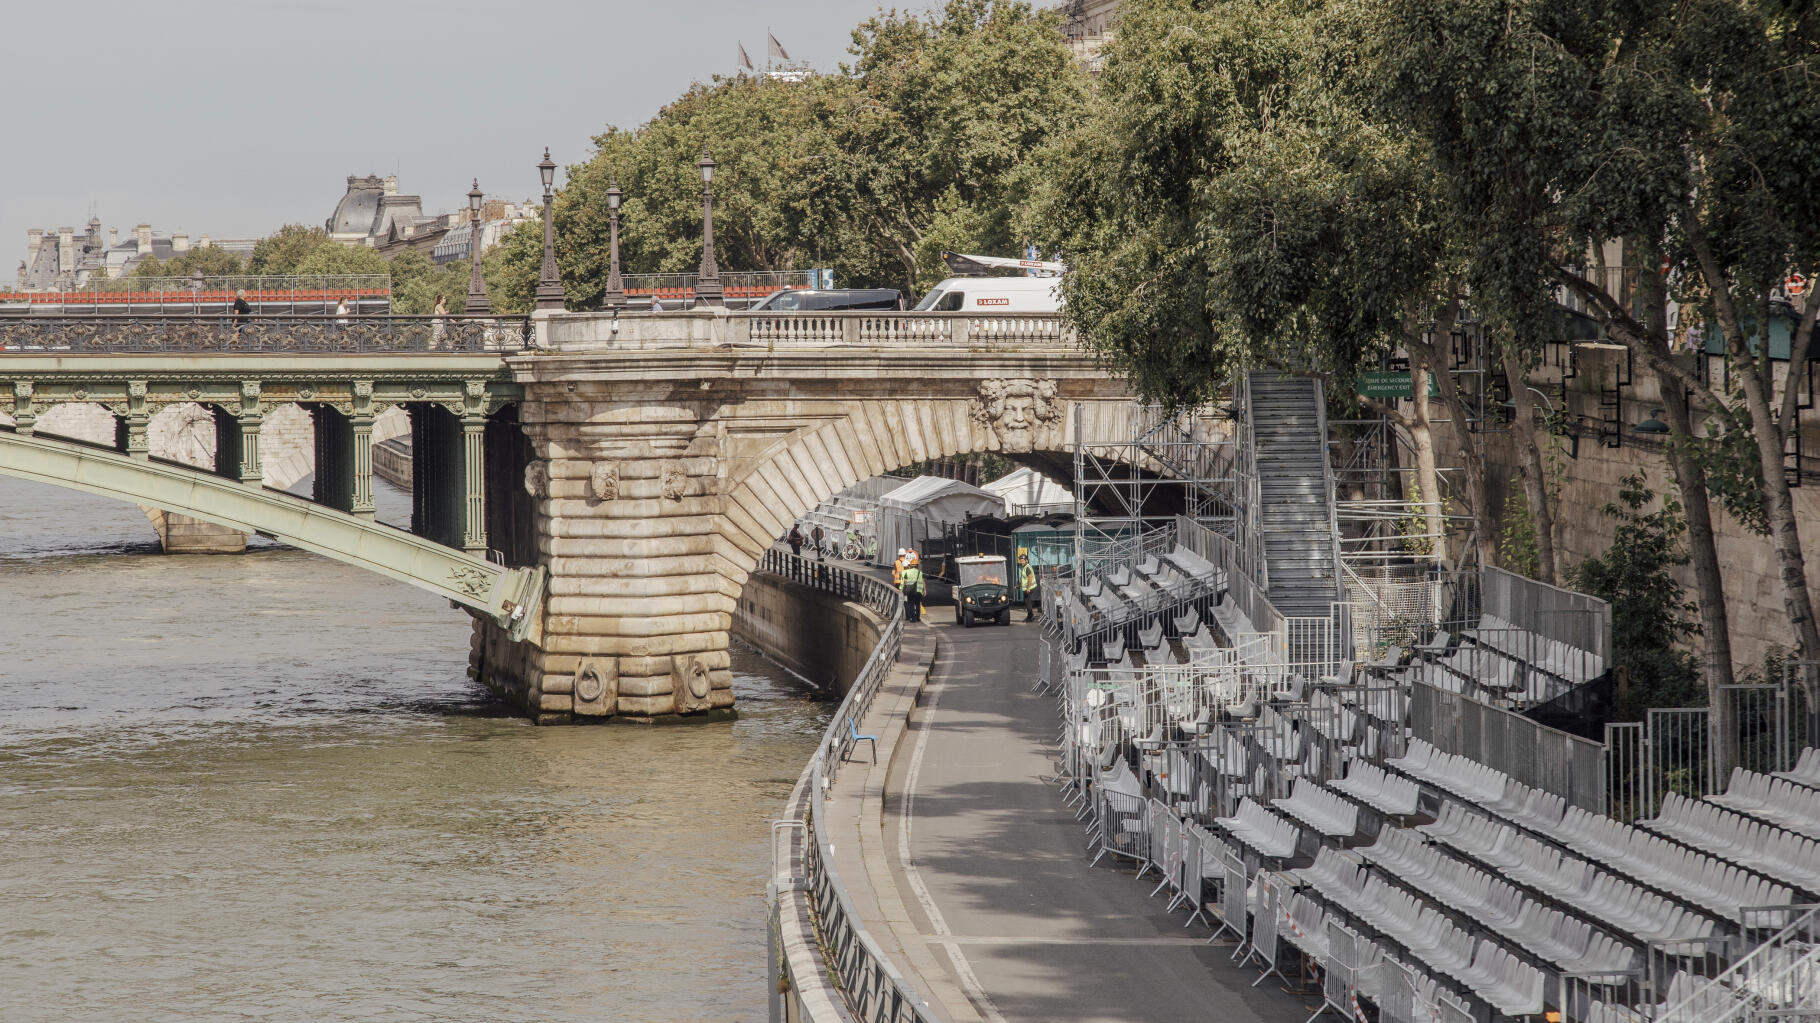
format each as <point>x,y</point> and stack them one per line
<point>262,787</point>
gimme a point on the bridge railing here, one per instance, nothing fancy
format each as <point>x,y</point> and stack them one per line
<point>871,986</point>
<point>216,333</point>
<point>721,329</point>
<point>963,330</point>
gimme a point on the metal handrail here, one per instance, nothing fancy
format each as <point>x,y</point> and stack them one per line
<point>225,333</point>
<point>872,987</point>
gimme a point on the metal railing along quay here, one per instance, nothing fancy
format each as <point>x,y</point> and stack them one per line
<point>197,293</point>
<point>257,333</point>
<point>870,985</point>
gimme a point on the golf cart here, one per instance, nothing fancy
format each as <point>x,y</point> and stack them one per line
<point>981,590</point>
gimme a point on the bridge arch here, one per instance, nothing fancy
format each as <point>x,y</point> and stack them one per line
<point>654,509</point>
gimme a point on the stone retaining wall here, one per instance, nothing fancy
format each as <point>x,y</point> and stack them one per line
<point>822,638</point>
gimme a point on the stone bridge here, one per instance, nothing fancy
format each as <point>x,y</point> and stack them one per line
<point>646,461</point>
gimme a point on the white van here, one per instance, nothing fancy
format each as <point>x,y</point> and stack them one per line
<point>994,295</point>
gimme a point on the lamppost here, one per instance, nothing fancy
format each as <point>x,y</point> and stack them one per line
<point>707,281</point>
<point>616,289</point>
<point>549,279</point>
<point>477,304</point>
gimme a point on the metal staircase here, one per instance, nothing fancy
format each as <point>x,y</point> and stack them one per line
<point>1286,430</point>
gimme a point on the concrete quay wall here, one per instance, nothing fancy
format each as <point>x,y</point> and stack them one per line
<point>822,638</point>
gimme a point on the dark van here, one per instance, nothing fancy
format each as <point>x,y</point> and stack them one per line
<point>831,300</point>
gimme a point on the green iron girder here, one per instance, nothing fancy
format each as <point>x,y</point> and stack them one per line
<point>509,596</point>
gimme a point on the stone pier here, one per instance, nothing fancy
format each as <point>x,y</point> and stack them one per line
<point>661,476</point>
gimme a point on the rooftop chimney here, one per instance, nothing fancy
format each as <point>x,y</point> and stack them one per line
<point>113,237</point>
<point>143,236</point>
<point>66,249</point>
<point>180,243</point>
<point>202,242</point>
<point>390,184</point>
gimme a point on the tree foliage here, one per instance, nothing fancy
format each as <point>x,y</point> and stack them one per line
<point>1651,617</point>
<point>209,261</point>
<point>282,251</point>
<point>924,142</point>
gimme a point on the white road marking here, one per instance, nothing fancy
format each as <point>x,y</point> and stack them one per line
<point>962,969</point>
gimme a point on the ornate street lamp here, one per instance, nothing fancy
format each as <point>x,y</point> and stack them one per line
<point>707,282</point>
<point>477,304</point>
<point>616,290</point>
<point>549,279</point>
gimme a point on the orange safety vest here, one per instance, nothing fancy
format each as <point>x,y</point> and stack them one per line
<point>897,572</point>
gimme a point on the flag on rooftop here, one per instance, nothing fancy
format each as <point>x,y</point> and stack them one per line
<point>776,48</point>
<point>745,61</point>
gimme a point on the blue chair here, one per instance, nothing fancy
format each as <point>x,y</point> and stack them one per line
<point>854,739</point>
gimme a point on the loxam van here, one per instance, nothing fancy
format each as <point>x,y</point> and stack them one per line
<point>994,295</point>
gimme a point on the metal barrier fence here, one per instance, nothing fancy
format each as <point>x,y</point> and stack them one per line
<point>873,988</point>
<point>181,294</point>
<point>1534,754</point>
<point>1576,619</point>
<point>738,287</point>
<point>220,334</point>
<point>1224,553</point>
<point>1671,749</point>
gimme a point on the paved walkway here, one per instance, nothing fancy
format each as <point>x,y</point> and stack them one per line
<point>978,881</point>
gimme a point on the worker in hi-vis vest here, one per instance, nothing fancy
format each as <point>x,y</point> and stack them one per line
<point>912,587</point>
<point>1026,581</point>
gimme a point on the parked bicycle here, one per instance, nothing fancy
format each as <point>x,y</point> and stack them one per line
<point>860,547</point>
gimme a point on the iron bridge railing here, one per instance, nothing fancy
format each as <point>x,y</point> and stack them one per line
<point>222,334</point>
<point>873,988</point>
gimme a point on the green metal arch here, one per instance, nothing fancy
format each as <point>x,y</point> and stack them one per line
<point>509,596</point>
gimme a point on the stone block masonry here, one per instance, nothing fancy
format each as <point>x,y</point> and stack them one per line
<point>661,478</point>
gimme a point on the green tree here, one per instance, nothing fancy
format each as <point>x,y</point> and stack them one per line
<point>210,261</point>
<point>337,259</point>
<point>923,143</point>
<point>417,280</point>
<point>1592,144</point>
<point>285,249</point>
<point>1230,199</point>
<point>1652,621</point>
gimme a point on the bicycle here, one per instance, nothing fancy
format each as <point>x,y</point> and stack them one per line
<point>860,548</point>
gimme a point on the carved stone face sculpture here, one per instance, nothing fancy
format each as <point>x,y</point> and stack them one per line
<point>604,481</point>
<point>537,479</point>
<point>675,480</point>
<point>1023,414</point>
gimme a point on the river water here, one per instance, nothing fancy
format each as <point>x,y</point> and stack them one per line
<point>261,787</point>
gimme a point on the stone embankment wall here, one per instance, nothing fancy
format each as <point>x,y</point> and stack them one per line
<point>1753,589</point>
<point>822,638</point>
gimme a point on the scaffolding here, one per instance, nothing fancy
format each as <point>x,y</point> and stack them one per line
<point>1150,465</point>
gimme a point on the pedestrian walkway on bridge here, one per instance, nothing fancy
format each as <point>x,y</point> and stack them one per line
<point>972,874</point>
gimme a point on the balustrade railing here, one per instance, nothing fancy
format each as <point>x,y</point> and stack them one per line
<point>253,334</point>
<point>963,330</point>
<point>872,987</point>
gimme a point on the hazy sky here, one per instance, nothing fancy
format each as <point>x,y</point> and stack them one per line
<point>232,117</point>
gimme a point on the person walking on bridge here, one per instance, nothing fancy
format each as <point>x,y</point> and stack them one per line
<point>816,535</point>
<point>912,587</point>
<point>795,540</point>
<point>241,309</point>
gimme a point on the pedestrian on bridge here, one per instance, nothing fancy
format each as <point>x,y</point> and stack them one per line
<point>241,309</point>
<point>795,540</point>
<point>912,587</point>
<point>816,535</point>
<point>439,327</point>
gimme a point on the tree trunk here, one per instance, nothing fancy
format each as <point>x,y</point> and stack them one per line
<point>1709,585</point>
<point>1436,354</point>
<point>1766,431</point>
<point>1428,480</point>
<point>1535,471</point>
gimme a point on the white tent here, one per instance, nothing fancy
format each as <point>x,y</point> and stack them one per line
<point>1028,492</point>
<point>916,511</point>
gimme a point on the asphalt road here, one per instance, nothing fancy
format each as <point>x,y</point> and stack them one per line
<point>994,870</point>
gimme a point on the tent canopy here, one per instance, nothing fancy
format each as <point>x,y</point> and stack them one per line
<point>916,511</point>
<point>1028,492</point>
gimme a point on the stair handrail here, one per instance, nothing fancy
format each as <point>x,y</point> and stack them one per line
<point>1342,633</point>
